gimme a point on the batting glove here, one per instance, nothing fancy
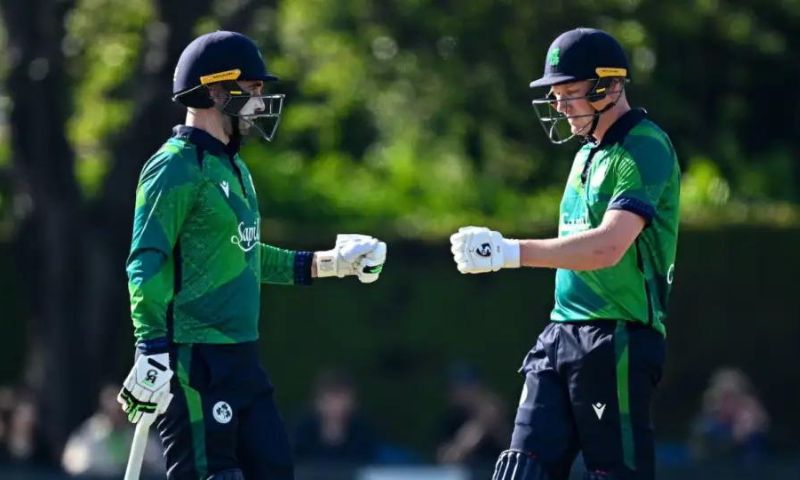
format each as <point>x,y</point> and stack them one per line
<point>480,250</point>
<point>371,265</point>
<point>353,254</point>
<point>146,389</point>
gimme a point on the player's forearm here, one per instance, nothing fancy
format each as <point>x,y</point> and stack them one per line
<point>285,267</point>
<point>590,250</point>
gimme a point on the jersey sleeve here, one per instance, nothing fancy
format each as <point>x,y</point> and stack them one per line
<point>285,267</point>
<point>640,175</point>
<point>164,198</point>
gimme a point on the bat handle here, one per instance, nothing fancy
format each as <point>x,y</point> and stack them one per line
<point>138,446</point>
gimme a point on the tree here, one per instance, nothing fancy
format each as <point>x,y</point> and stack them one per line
<point>72,246</point>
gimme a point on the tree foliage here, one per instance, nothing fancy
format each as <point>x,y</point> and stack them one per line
<point>412,116</point>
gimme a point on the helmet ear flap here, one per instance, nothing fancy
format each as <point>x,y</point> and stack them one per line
<point>236,97</point>
<point>598,95</point>
<point>198,97</point>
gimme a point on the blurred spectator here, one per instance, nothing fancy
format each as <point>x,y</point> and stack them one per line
<point>733,422</point>
<point>23,443</point>
<point>6,408</point>
<point>334,431</point>
<point>475,429</point>
<point>100,445</point>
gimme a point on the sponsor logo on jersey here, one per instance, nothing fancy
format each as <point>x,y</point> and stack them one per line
<point>249,236</point>
<point>226,188</point>
<point>571,224</point>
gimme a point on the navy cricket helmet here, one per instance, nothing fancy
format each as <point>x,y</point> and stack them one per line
<point>225,58</point>
<point>576,55</point>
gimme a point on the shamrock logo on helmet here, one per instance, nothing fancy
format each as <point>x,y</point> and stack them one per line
<point>553,57</point>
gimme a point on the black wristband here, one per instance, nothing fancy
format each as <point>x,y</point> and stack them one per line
<point>302,267</point>
<point>153,346</point>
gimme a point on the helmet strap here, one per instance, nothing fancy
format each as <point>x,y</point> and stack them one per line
<point>236,99</point>
<point>601,102</point>
<point>236,134</point>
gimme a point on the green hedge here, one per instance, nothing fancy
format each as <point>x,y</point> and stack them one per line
<point>735,302</point>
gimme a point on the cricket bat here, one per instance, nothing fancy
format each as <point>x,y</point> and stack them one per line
<point>138,446</point>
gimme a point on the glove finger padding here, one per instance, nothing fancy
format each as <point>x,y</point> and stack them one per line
<point>457,243</point>
<point>352,246</point>
<point>371,264</point>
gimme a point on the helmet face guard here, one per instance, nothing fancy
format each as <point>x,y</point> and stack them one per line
<point>265,121</point>
<point>556,124</point>
<point>262,113</point>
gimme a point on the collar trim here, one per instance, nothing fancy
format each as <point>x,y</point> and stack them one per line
<point>624,124</point>
<point>205,140</point>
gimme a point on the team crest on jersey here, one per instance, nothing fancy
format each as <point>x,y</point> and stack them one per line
<point>222,411</point>
<point>248,236</point>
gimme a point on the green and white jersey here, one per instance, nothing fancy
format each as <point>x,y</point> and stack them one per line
<point>196,261</point>
<point>634,168</point>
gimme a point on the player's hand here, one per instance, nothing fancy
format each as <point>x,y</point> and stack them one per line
<point>353,254</point>
<point>370,266</point>
<point>146,389</point>
<point>480,250</point>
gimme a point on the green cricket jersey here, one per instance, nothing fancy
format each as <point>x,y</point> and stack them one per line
<point>634,168</point>
<point>196,261</point>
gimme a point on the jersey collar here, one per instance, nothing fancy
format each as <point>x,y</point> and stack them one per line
<point>619,129</point>
<point>205,140</point>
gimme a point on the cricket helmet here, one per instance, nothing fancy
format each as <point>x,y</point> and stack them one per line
<point>227,57</point>
<point>579,54</point>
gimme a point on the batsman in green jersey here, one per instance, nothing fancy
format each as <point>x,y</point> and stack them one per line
<point>195,271</point>
<point>590,377</point>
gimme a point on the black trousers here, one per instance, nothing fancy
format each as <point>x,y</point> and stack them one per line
<point>223,416</point>
<point>588,388</point>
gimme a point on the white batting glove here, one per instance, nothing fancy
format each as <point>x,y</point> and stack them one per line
<point>480,250</point>
<point>370,266</point>
<point>353,254</point>
<point>146,388</point>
